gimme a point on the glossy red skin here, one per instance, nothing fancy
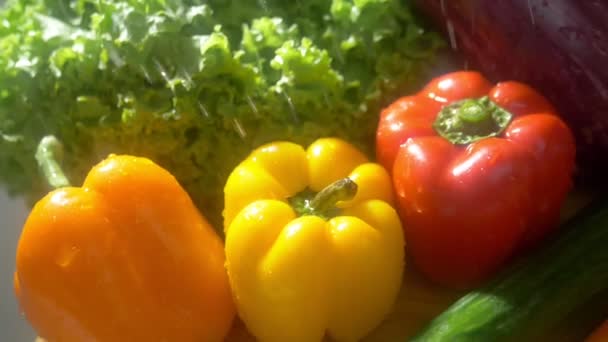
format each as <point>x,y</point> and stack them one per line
<point>467,209</point>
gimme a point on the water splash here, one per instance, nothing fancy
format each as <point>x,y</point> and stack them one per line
<point>338,53</point>
<point>187,77</point>
<point>531,13</point>
<point>161,69</point>
<point>264,5</point>
<point>203,110</point>
<point>326,98</point>
<point>595,81</point>
<point>66,256</point>
<point>11,138</point>
<point>254,108</point>
<point>146,74</point>
<point>239,128</point>
<point>452,35</point>
<point>114,55</point>
<point>292,108</point>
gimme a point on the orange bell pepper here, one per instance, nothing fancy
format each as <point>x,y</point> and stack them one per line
<point>600,334</point>
<point>125,257</point>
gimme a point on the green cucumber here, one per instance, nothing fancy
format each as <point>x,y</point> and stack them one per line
<point>536,293</point>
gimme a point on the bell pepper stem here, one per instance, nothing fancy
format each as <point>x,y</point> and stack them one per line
<point>341,190</point>
<point>472,111</point>
<point>469,120</point>
<point>48,156</point>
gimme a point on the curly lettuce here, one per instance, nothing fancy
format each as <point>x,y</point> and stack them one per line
<point>196,85</point>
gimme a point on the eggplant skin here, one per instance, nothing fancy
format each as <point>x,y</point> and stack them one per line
<point>559,47</point>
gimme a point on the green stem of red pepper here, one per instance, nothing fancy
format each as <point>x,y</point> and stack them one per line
<point>469,120</point>
<point>323,203</point>
<point>48,155</point>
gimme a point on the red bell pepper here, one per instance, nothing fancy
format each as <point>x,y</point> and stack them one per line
<point>480,171</point>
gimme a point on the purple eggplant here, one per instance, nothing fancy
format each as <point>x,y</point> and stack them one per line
<point>560,47</point>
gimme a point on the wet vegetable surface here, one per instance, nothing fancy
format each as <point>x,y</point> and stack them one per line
<point>559,47</point>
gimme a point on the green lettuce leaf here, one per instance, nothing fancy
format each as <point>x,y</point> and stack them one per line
<point>196,85</point>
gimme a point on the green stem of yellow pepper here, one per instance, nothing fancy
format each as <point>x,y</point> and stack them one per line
<point>324,202</point>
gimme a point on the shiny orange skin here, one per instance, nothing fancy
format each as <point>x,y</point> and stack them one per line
<point>125,257</point>
<point>467,209</point>
<point>600,334</point>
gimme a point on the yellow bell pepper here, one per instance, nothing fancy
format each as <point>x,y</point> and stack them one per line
<point>313,244</point>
